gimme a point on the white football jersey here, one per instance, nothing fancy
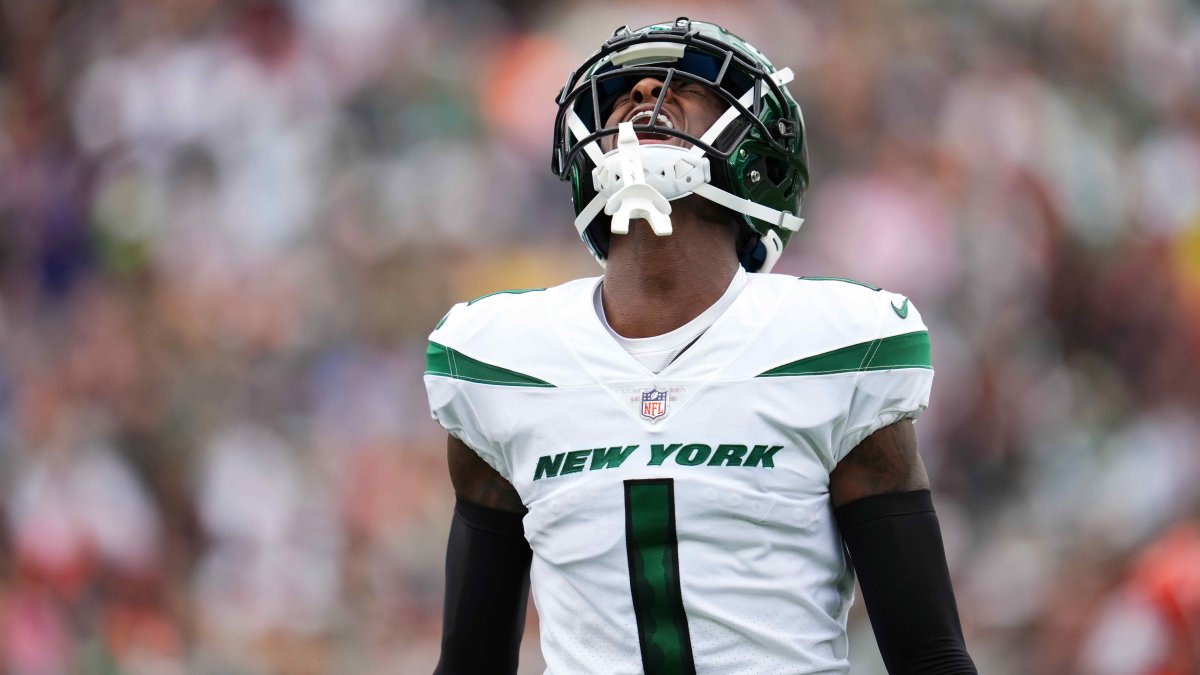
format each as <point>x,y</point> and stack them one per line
<point>680,522</point>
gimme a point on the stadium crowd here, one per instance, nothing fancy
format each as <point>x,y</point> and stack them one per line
<point>226,228</point>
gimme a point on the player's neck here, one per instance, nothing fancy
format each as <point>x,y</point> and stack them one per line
<point>653,285</point>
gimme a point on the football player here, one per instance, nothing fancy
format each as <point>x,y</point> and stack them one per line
<point>690,457</point>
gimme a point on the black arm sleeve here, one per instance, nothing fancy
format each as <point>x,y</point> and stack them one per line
<point>895,544</point>
<point>487,588</point>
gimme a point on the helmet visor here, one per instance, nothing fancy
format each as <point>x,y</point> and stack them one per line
<point>610,82</point>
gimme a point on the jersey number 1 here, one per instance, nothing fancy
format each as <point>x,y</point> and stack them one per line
<point>653,549</point>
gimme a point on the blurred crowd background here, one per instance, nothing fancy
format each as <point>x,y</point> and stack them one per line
<point>226,228</point>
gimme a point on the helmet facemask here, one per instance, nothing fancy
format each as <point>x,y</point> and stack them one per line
<point>751,160</point>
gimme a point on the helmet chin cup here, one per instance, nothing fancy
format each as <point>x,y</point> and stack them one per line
<point>639,201</point>
<point>635,198</point>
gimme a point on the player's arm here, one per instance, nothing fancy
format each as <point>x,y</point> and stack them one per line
<point>487,570</point>
<point>880,495</point>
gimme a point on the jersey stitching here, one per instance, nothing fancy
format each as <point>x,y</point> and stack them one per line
<point>500,458</point>
<point>865,362</point>
<point>841,450</point>
<point>456,373</point>
<point>477,380</point>
<point>894,366</point>
<point>869,356</point>
<point>904,414</point>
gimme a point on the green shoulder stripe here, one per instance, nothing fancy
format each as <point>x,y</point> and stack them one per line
<point>441,360</point>
<point>516,291</point>
<point>843,279</point>
<point>910,350</point>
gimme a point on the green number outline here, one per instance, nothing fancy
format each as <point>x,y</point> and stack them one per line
<point>653,549</point>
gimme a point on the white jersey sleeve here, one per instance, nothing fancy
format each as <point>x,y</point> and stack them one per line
<point>860,350</point>
<point>485,356</point>
<point>449,403</point>
<point>896,375</point>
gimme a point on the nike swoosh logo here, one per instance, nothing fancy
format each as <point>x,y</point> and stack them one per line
<point>902,310</point>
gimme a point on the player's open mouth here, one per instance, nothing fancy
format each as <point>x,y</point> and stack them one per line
<point>644,117</point>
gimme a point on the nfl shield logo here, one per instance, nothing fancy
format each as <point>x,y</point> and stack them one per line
<point>654,404</point>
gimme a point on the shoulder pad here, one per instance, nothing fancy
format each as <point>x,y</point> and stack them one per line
<point>466,320</point>
<point>891,313</point>
<point>827,325</point>
<point>501,338</point>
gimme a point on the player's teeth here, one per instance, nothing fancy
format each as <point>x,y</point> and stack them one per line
<point>645,115</point>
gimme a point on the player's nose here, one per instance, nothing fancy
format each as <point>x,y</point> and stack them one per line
<point>647,89</point>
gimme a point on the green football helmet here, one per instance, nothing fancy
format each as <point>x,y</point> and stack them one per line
<point>752,160</point>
